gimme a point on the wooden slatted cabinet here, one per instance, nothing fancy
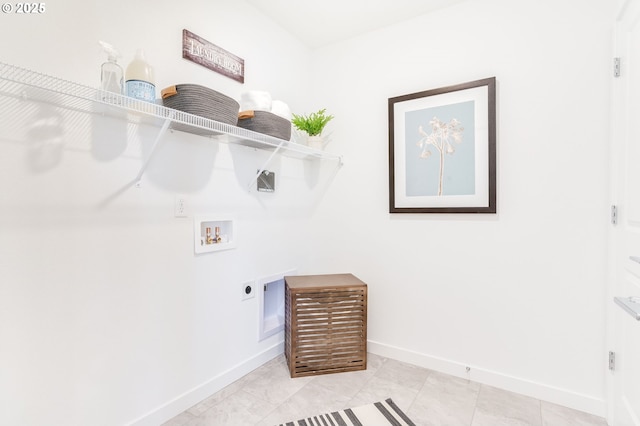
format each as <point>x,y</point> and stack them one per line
<point>325,324</point>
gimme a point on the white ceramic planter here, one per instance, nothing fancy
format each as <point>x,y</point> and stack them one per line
<point>315,142</point>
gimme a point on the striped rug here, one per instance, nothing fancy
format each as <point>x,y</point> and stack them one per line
<point>376,414</point>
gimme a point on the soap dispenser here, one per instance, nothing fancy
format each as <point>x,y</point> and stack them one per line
<point>111,75</point>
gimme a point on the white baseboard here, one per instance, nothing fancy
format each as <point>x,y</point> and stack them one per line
<point>564,397</point>
<point>586,403</point>
<point>190,398</point>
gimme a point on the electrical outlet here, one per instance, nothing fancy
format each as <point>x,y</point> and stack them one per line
<point>248,290</point>
<point>180,206</point>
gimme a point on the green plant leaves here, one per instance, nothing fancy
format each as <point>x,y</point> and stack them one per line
<point>313,123</point>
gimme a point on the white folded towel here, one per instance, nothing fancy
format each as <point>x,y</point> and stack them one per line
<point>281,109</point>
<point>255,100</point>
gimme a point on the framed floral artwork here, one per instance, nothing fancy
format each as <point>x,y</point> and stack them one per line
<point>442,150</point>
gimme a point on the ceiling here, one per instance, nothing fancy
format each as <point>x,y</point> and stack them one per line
<point>321,22</point>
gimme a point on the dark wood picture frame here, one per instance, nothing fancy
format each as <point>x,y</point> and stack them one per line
<point>461,119</point>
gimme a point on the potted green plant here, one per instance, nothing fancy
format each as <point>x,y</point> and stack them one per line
<point>312,124</point>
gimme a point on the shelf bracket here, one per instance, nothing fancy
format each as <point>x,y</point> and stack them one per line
<point>163,130</point>
<point>264,166</point>
<point>630,305</point>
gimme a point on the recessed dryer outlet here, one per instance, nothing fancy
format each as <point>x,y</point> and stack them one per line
<point>271,304</point>
<point>248,290</point>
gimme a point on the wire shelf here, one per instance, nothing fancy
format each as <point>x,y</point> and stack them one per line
<point>21,83</point>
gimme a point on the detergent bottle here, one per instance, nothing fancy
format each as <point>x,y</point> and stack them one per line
<point>140,79</point>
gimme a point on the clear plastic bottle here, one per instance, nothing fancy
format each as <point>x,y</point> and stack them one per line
<point>111,75</point>
<point>140,79</point>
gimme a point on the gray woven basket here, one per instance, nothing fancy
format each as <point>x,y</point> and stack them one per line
<point>201,101</point>
<point>265,122</point>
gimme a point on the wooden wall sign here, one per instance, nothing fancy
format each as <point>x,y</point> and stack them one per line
<point>207,54</point>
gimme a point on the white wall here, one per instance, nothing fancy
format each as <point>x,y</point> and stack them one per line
<point>106,314</point>
<point>517,296</point>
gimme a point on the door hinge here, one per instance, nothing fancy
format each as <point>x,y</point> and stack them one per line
<point>616,67</point>
<point>614,214</point>
<point>612,360</point>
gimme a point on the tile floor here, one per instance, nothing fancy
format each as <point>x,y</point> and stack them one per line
<point>268,396</point>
